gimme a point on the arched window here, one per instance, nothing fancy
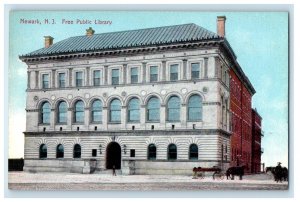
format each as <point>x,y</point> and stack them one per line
<point>115,110</point>
<point>173,113</point>
<point>153,109</point>
<point>62,112</point>
<point>151,152</point>
<point>45,113</point>
<point>134,110</point>
<point>43,151</point>
<point>172,152</point>
<point>195,108</point>
<point>60,151</point>
<point>77,151</point>
<point>79,112</point>
<point>97,111</point>
<point>193,152</point>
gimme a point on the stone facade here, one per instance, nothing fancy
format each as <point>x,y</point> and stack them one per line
<point>209,133</point>
<point>191,84</point>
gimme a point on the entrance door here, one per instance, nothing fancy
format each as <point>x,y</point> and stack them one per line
<point>113,155</point>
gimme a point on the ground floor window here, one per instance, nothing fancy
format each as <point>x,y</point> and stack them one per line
<point>151,152</point>
<point>172,152</point>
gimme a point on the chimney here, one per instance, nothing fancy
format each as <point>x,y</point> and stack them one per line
<point>221,25</point>
<point>90,31</point>
<point>48,41</point>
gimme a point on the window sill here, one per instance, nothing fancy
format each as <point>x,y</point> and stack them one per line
<point>44,124</point>
<point>96,122</point>
<point>62,124</point>
<point>78,123</point>
<point>133,122</point>
<point>114,122</point>
<point>152,121</point>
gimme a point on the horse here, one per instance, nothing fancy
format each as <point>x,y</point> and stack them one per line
<point>238,170</point>
<point>285,174</point>
<point>270,169</point>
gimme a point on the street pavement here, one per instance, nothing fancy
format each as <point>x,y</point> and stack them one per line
<point>74,181</point>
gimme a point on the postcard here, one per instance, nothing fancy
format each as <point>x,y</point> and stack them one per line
<point>148,100</point>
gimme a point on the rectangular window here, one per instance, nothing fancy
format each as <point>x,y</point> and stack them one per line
<point>115,77</point>
<point>132,152</point>
<point>97,77</point>
<point>195,70</point>
<point>153,73</point>
<point>45,80</point>
<point>94,152</point>
<point>174,72</point>
<point>79,79</point>
<point>62,80</point>
<point>134,75</point>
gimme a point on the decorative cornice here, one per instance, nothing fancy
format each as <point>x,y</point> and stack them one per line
<point>130,132</point>
<point>128,51</point>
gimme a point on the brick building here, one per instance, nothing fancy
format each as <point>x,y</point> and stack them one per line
<point>257,150</point>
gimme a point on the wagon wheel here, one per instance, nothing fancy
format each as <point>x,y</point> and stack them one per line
<point>221,176</point>
<point>218,175</point>
<point>201,175</point>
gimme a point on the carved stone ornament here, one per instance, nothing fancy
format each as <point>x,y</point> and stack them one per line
<point>143,93</point>
<point>70,96</point>
<point>123,93</point>
<point>184,90</point>
<point>35,98</point>
<point>104,94</point>
<point>205,89</point>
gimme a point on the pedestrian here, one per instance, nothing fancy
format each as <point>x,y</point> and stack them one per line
<point>114,171</point>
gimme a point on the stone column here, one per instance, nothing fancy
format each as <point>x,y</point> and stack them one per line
<point>124,74</point>
<point>105,74</point>
<point>163,116</point>
<point>163,70</point>
<point>69,118</point>
<point>52,119</point>
<point>123,117</point>
<point>184,69</point>
<point>70,77</point>
<point>87,117</point>
<point>143,116</point>
<point>53,78</point>
<point>104,118</point>
<point>36,79</point>
<point>87,76</point>
<point>205,67</point>
<point>28,79</point>
<point>183,115</point>
<point>144,72</point>
<point>217,66</point>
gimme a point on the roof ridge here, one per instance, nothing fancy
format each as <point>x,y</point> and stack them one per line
<point>141,29</point>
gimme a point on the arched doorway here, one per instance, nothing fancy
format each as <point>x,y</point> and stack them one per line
<point>113,155</point>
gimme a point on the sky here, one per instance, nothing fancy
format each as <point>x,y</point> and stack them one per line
<point>259,40</point>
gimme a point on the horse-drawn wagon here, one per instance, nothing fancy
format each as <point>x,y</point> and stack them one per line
<point>202,172</point>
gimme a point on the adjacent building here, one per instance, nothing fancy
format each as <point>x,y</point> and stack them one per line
<point>257,150</point>
<point>147,101</point>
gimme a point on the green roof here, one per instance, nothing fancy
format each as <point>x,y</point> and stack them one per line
<point>128,39</point>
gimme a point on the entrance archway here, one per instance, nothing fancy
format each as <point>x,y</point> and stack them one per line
<point>113,155</point>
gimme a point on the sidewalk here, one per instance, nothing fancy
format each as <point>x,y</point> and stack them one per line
<point>23,177</point>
